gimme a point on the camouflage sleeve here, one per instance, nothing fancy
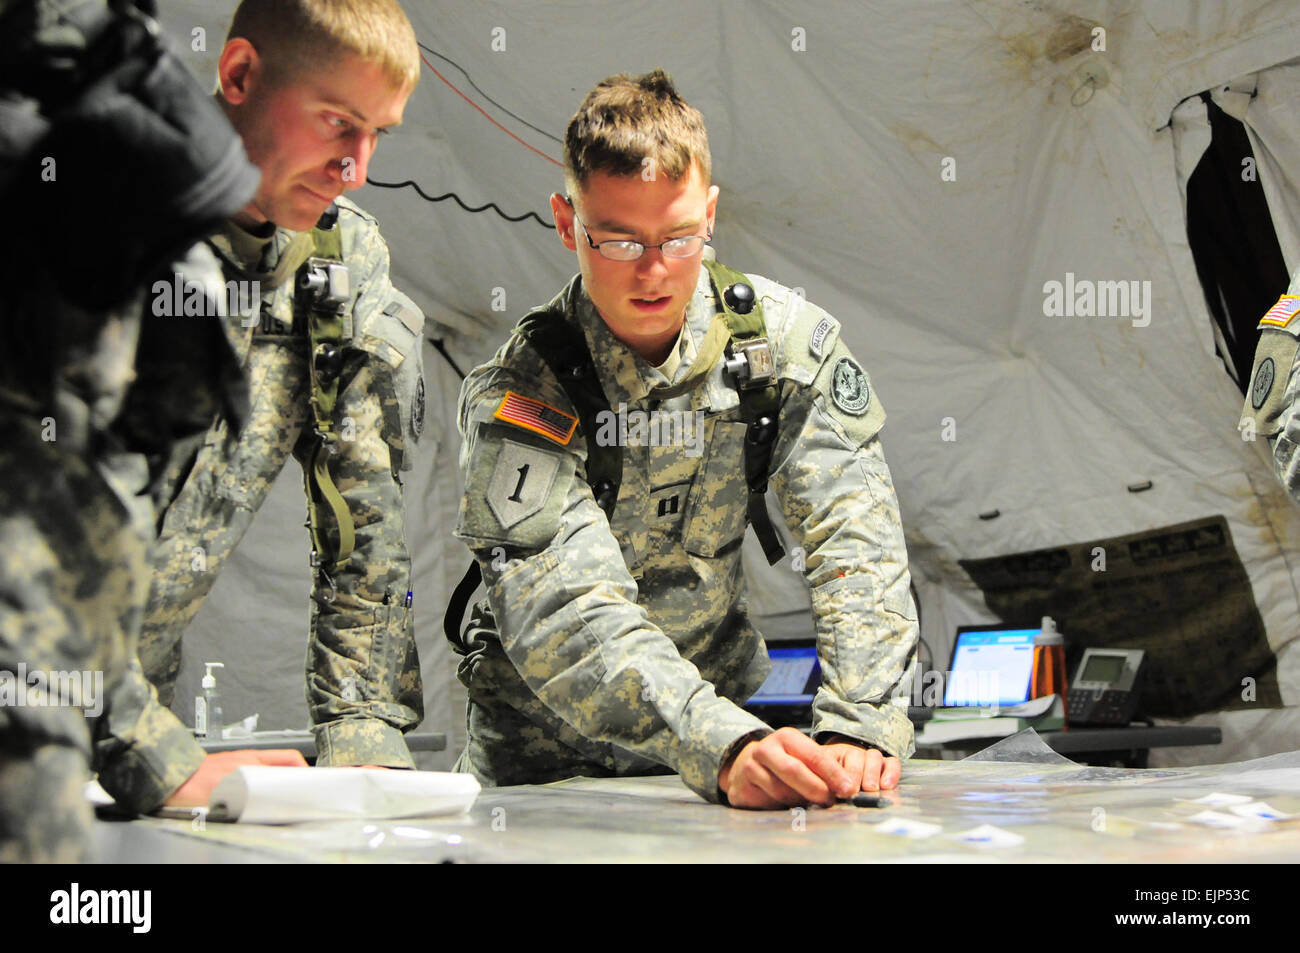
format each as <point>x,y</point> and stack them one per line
<point>1286,445</point>
<point>839,502</point>
<point>73,567</point>
<point>44,749</point>
<point>363,680</point>
<point>142,751</point>
<point>565,604</point>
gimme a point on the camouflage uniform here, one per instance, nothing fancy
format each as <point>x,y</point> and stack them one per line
<point>617,647</point>
<point>1273,400</point>
<point>72,566</point>
<point>97,118</point>
<point>363,681</point>
<point>76,522</point>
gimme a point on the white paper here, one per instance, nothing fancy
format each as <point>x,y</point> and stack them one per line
<point>1028,709</point>
<point>1032,708</point>
<point>1226,821</point>
<point>902,827</point>
<point>990,836</point>
<point>1218,799</point>
<point>937,732</point>
<point>264,794</point>
<point>1261,810</point>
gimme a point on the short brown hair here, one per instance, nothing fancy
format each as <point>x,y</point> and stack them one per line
<point>627,119</point>
<point>299,36</point>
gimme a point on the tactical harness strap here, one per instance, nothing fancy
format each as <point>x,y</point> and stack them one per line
<point>760,397</point>
<point>322,291</point>
<point>740,328</point>
<point>564,350</point>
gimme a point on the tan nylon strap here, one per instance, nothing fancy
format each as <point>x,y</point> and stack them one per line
<point>324,328</point>
<point>299,249</point>
<point>338,506</point>
<point>714,342</point>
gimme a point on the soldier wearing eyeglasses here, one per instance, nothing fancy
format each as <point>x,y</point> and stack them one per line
<point>615,638</point>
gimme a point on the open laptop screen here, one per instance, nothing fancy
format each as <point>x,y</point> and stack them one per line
<point>990,665</point>
<point>794,678</point>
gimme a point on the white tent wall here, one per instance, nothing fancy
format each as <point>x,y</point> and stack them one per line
<point>829,125</point>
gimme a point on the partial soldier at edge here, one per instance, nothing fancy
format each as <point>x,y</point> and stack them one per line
<point>1272,407</point>
<point>98,114</point>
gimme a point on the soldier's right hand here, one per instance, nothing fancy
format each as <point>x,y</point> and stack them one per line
<point>785,769</point>
<point>197,791</point>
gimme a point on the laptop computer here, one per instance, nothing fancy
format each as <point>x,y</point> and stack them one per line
<point>990,665</point>
<point>785,698</point>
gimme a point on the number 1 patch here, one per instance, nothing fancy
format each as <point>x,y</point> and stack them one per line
<point>521,482</point>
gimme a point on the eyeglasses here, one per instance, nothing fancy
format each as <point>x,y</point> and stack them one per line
<point>618,250</point>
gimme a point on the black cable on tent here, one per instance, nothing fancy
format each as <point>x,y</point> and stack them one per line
<point>452,195</point>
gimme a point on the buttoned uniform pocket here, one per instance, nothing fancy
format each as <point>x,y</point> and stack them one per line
<point>715,508</point>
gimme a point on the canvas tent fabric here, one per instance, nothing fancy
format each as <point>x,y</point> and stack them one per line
<point>832,125</point>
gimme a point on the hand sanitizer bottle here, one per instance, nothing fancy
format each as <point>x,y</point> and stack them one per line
<point>207,707</point>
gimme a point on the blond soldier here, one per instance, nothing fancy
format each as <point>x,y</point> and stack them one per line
<point>1272,407</point>
<point>332,352</point>
<point>620,644</point>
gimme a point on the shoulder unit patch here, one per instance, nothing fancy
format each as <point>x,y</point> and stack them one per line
<point>1262,386</point>
<point>550,422</point>
<point>849,388</point>
<point>417,409</point>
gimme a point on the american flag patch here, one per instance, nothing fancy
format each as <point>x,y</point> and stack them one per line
<point>1282,313</point>
<point>538,417</point>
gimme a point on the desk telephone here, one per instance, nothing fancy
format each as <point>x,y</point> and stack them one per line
<point>1106,688</point>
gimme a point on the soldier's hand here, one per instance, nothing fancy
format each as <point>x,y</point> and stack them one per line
<point>875,770</point>
<point>785,769</point>
<point>197,791</point>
